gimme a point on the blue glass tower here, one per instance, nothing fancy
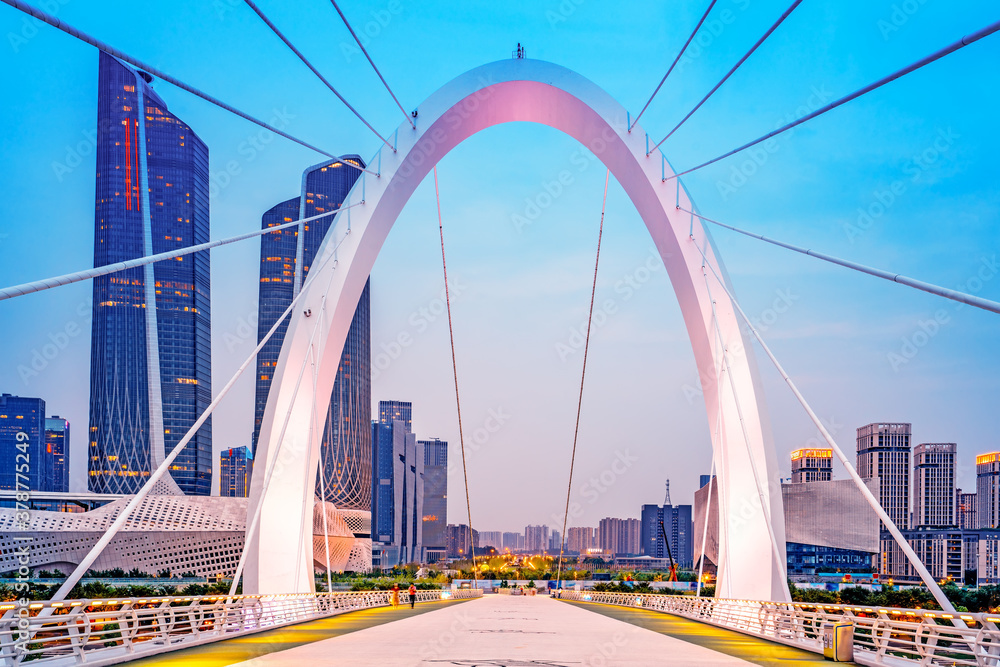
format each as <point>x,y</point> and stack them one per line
<point>285,260</point>
<point>150,363</point>
<point>22,445</point>
<point>235,468</point>
<point>57,447</point>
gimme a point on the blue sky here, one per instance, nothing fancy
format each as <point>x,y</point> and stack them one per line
<point>929,136</point>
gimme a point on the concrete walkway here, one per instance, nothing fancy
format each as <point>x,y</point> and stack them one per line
<point>501,630</point>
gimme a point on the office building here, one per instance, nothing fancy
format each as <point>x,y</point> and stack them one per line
<point>988,490</point>
<point>390,411</point>
<point>397,501</point>
<point>536,538</point>
<point>435,513</point>
<point>150,357</point>
<point>513,542</point>
<point>581,540</point>
<point>812,465</point>
<point>676,521</point>
<point>934,485</point>
<point>884,454</point>
<point>965,510</point>
<point>285,260</point>
<point>27,466</point>
<point>555,540</point>
<point>57,447</point>
<point>235,469</point>
<point>621,536</point>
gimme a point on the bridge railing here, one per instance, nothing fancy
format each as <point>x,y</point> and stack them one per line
<point>882,636</point>
<point>101,632</point>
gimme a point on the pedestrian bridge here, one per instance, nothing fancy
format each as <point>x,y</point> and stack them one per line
<point>464,627</point>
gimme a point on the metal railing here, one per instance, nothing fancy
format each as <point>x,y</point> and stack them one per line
<point>104,632</point>
<point>882,636</point>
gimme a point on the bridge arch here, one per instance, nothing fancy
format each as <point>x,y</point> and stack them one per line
<point>279,558</point>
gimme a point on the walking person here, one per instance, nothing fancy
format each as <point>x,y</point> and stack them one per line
<point>413,595</point>
<point>395,596</point>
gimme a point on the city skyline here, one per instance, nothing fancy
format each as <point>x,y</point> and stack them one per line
<point>946,387</point>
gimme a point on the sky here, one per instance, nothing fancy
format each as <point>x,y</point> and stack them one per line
<point>903,179</point>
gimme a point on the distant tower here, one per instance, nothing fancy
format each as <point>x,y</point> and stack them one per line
<point>934,485</point>
<point>666,500</point>
<point>812,465</point>
<point>988,490</point>
<point>884,454</point>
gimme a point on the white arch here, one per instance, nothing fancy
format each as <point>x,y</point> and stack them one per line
<point>502,92</point>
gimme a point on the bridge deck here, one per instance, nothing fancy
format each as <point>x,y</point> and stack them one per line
<point>505,630</point>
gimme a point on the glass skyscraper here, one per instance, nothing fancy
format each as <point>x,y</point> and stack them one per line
<point>435,509</point>
<point>285,260</point>
<point>57,447</point>
<point>26,465</point>
<point>235,468</point>
<point>390,411</point>
<point>150,362</point>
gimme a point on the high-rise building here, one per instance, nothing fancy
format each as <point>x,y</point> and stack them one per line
<point>57,447</point>
<point>884,454</point>
<point>812,465</point>
<point>703,480</point>
<point>398,491</point>
<point>965,510</point>
<point>676,521</point>
<point>285,259</point>
<point>555,541</point>
<point>988,490</point>
<point>435,515</point>
<point>150,355</point>
<point>934,489</point>
<point>235,469</point>
<point>27,466</point>
<point>513,542</point>
<point>461,540</point>
<point>581,539</point>
<point>491,538</point>
<point>621,536</point>
<point>390,411</point>
<point>536,538</point>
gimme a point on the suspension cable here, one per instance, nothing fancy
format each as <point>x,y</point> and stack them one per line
<point>372,62</point>
<point>674,64</point>
<point>281,36</point>
<point>730,72</point>
<point>161,470</point>
<point>84,37</point>
<point>322,480</point>
<point>454,367</point>
<point>937,55</point>
<point>911,555</point>
<point>87,274</point>
<point>954,295</point>
<point>583,377</point>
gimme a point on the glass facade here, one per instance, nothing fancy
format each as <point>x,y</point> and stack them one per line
<point>24,463</point>
<point>122,445</point>
<point>235,469</point>
<point>346,450</point>
<point>57,447</point>
<point>678,524</point>
<point>382,500</point>
<point>390,411</point>
<point>435,508</point>
<point>809,559</point>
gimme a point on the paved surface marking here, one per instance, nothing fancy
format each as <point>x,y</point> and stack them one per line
<point>751,649</point>
<point>502,630</point>
<point>230,651</point>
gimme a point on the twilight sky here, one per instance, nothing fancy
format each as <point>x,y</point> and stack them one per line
<point>903,179</point>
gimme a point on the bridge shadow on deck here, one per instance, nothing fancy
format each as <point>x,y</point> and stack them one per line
<point>238,649</point>
<point>735,644</point>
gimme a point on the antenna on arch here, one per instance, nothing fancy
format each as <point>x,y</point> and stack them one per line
<point>666,500</point>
